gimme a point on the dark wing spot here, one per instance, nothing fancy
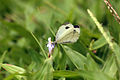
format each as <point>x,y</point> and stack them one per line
<point>76,26</point>
<point>67,27</point>
<point>74,30</point>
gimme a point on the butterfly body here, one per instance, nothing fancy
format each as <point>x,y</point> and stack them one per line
<point>67,33</point>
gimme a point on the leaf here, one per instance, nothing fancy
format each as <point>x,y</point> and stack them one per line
<point>99,43</point>
<point>77,59</point>
<point>81,48</point>
<point>45,72</point>
<point>10,77</point>
<point>91,64</point>
<point>14,69</point>
<point>90,75</point>
<point>110,67</point>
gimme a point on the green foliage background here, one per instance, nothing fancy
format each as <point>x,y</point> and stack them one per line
<point>90,58</point>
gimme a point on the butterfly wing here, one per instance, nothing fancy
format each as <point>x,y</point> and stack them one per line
<point>60,32</point>
<point>67,34</point>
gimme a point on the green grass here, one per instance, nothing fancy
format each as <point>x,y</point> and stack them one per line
<point>25,26</point>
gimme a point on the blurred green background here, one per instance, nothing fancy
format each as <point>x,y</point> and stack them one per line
<point>90,58</point>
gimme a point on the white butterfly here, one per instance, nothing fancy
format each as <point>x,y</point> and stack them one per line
<point>67,33</point>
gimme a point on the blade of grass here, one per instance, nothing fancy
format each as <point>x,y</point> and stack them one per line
<point>1,59</point>
<point>90,75</point>
<point>45,72</point>
<point>39,44</point>
<point>101,29</point>
<point>51,31</point>
<point>91,64</point>
<point>114,47</point>
<point>110,66</point>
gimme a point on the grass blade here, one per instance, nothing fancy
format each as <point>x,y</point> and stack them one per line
<point>45,72</point>
<point>90,75</point>
<point>39,44</point>
<point>110,67</point>
<point>1,59</point>
<point>115,48</point>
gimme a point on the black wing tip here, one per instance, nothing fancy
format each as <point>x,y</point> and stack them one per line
<point>76,26</point>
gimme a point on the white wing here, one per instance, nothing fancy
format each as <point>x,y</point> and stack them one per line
<point>67,34</point>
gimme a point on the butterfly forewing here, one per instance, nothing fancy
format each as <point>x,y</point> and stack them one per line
<point>67,34</point>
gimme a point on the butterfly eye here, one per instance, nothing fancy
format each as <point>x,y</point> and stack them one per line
<point>67,27</point>
<point>76,26</point>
